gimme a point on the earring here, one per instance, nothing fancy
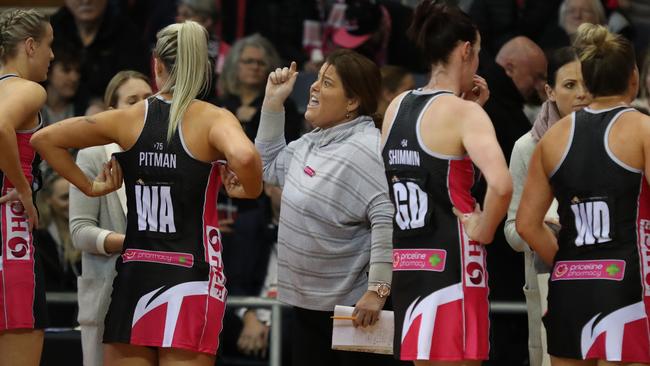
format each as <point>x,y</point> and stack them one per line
<point>347,115</point>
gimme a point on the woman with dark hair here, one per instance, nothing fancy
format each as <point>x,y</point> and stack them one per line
<point>433,137</point>
<point>595,162</point>
<point>62,84</point>
<point>566,93</point>
<point>25,53</point>
<point>61,260</point>
<point>334,243</point>
<point>169,294</point>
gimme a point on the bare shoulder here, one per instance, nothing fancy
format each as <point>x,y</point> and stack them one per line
<point>135,110</point>
<point>389,115</point>
<point>24,93</point>
<point>463,111</point>
<point>23,85</point>
<point>634,126</point>
<point>210,113</point>
<point>643,120</point>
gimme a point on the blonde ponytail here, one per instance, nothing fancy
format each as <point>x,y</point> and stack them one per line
<point>594,41</point>
<point>607,60</point>
<point>183,49</point>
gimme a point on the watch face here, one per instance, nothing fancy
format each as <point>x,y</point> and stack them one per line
<point>383,290</point>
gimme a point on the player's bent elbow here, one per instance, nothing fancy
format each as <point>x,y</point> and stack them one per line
<point>523,227</point>
<point>249,161</point>
<point>502,188</point>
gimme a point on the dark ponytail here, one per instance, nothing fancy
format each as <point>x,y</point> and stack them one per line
<point>437,28</point>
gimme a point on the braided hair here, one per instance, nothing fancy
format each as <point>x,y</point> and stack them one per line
<point>16,25</point>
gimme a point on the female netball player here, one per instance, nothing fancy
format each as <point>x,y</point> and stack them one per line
<point>25,53</point>
<point>169,294</point>
<point>595,162</point>
<point>433,138</point>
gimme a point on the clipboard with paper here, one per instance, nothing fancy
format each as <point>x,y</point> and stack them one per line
<point>377,338</point>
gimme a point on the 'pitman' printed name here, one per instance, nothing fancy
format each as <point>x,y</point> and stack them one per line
<point>403,157</point>
<point>157,160</point>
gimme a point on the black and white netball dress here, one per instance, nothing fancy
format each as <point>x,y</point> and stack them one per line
<point>170,287</point>
<point>599,290</point>
<point>440,292</point>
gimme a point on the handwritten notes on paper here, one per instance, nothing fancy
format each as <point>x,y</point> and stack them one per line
<point>374,339</point>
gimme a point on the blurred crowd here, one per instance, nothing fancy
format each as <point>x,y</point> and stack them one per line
<point>96,39</point>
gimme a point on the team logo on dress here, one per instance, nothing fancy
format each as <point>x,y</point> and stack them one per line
<point>213,236</point>
<point>419,260</point>
<point>474,262</point>
<point>16,232</point>
<point>602,269</point>
<point>217,277</point>
<point>404,143</point>
<point>128,255</point>
<point>560,270</point>
<point>155,256</point>
<point>475,272</point>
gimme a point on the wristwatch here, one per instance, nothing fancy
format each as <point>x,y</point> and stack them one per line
<point>382,289</point>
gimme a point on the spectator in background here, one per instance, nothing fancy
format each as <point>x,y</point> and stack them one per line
<point>566,93</point>
<point>516,76</point>
<point>248,334</point>
<point>98,224</point>
<point>575,12</point>
<point>107,43</point>
<point>62,86</point>
<point>205,13</point>
<point>394,81</point>
<point>373,28</point>
<point>61,260</point>
<point>254,335</point>
<point>243,222</point>
<point>366,29</point>
<point>245,71</point>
